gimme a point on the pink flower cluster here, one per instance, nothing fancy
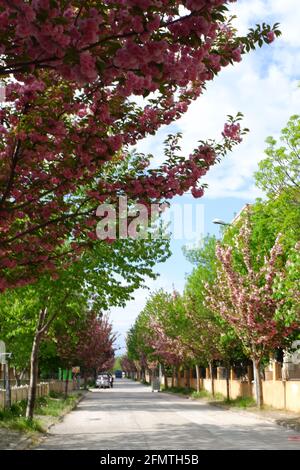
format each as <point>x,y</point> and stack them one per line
<point>246,300</point>
<point>232,131</point>
<point>106,42</point>
<point>71,68</point>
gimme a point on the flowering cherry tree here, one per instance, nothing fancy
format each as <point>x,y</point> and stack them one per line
<point>71,70</point>
<point>169,350</point>
<point>138,347</point>
<point>132,44</point>
<point>88,342</point>
<point>167,325</point>
<point>127,365</point>
<point>245,296</point>
<point>95,346</point>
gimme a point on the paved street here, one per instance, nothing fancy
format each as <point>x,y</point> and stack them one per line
<point>130,416</point>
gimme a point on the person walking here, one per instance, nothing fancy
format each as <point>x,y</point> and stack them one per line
<point>111,380</point>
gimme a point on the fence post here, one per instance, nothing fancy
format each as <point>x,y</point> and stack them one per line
<point>250,373</point>
<point>185,379</point>
<point>276,371</point>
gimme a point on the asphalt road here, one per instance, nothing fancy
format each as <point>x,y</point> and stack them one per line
<point>130,416</point>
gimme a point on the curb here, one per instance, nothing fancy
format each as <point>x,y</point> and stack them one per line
<point>24,443</point>
<point>61,417</point>
<point>179,395</point>
<point>286,424</point>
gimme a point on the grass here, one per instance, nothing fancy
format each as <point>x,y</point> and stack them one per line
<point>181,390</point>
<point>144,382</point>
<point>54,405</point>
<point>201,394</point>
<point>191,392</point>
<point>241,402</point>
<point>53,394</point>
<point>218,397</point>
<point>14,418</point>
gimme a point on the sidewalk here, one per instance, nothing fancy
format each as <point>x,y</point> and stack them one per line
<point>16,440</point>
<point>285,418</point>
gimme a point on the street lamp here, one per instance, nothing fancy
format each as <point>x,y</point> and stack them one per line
<point>220,222</point>
<point>4,360</point>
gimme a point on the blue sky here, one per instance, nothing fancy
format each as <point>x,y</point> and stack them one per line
<point>265,88</point>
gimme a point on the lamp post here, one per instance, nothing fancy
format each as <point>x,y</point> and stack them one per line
<point>4,360</point>
<point>223,225</point>
<point>7,383</point>
<point>220,222</point>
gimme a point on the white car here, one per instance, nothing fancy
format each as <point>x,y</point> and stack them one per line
<point>103,381</point>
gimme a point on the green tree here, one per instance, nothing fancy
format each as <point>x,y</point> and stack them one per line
<point>205,267</point>
<point>106,275</point>
<point>281,169</point>
<point>139,350</point>
<point>246,298</point>
<point>287,288</point>
<point>209,336</point>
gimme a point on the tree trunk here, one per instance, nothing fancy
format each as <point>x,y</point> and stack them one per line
<point>33,375</point>
<point>212,380</point>
<point>257,383</point>
<point>165,377</point>
<point>17,377</point>
<point>23,371</point>
<point>173,377</point>
<point>227,383</point>
<point>177,376</point>
<point>198,377</point>
<point>166,382</point>
<point>188,378</point>
<point>66,384</point>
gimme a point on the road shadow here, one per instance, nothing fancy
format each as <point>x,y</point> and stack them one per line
<point>130,417</point>
<point>167,437</point>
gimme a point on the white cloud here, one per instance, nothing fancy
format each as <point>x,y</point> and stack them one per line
<point>264,87</point>
<point>284,12</point>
